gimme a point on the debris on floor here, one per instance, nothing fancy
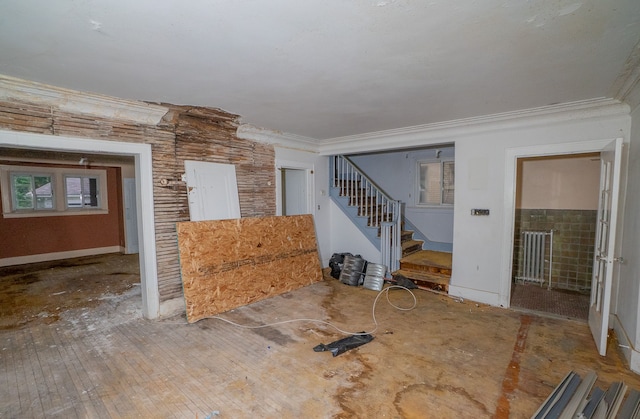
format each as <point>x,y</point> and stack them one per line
<point>403,281</point>
<point>343,345</point>
<point>574,398</point>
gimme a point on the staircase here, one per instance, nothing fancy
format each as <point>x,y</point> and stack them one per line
<point>375,214</point>
<point>428,269</point>
<point>379,218</point>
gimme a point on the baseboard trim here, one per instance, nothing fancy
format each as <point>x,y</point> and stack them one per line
<point>46,257</point>
<point>630,353</point>
<point>474,295</point>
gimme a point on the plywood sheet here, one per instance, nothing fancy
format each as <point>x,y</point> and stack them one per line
<point>230,263</point>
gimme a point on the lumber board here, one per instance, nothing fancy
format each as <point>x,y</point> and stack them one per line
<point>226,264</point>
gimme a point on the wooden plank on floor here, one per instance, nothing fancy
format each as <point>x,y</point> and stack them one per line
<point>90,404</point>
<point>230,263</point>
<point>10,400</point>
<point>85,351</point>
<point>64,394</point>
<point>49,368</point>
<point>33,405</point>
<point>169,386</point>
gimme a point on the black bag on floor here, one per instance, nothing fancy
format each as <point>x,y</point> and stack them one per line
<point>343,345</point>
<point>336,262</point>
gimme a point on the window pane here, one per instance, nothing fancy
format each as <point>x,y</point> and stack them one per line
<point>430,183</point>
<point>447,196</point>
<point>90,192</point>
<point>448,180</point>
<point>21,186</point>
<point>81,192</point>
<point>44,192</point>
<point>436,183</point>
<point>73,192</point>
<point>44,202</point>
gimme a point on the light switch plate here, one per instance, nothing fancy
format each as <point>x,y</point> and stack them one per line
<point>478,211</point>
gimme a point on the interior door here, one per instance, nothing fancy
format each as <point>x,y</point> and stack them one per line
<point>212,191</point>
<point>130,217</point>
<point>603,264</point>
<point>294,192</point>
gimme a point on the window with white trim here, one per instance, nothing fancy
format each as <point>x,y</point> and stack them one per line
<point>30,191</point>
<point>435,182</point>
<point>81,191</point>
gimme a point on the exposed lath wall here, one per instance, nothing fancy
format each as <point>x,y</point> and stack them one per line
<point>185,133</point>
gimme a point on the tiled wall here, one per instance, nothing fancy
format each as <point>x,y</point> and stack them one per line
<point>573,243</point>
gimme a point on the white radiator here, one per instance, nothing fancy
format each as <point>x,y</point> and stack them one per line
<point>536,250</point>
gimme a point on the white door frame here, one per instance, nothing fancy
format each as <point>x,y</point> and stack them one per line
<point>144,196</point>
<point>309,170</point>
<point>511,157</point>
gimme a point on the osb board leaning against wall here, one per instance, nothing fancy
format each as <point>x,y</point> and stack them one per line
<point>230,263</point>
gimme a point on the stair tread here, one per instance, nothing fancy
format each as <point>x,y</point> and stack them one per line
<point>424,276</point>
<point>429,258</point>
<point>412,242</point>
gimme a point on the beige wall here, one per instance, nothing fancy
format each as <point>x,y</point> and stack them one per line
<point>563,182</point>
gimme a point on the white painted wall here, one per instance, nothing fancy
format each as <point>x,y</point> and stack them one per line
<point>479,245</point>
<point>627,307</point>
<point>482,245</point>
<point>319,197</point>
<point>346,237</point>
<point>395,173</point>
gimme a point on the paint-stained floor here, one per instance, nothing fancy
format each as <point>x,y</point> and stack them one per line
<point>445,358</point>
<point>40,292</point>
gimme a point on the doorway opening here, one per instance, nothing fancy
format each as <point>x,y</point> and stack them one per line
<point>554,233</point>
<point>610,151</point>
<point>140,154</point>
<point>294,191</point>
<point>294,183</point>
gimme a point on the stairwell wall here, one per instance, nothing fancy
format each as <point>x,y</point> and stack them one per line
<point>395,173</point>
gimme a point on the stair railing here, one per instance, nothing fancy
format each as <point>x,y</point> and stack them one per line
<point>382,211</point>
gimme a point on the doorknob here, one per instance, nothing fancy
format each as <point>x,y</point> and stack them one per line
<point>619,259</point>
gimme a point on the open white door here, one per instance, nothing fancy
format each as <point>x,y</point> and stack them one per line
<point>605,244</point>
<point>212,191</point>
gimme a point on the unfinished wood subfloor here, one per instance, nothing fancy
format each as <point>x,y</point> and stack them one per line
<point>443,359</point>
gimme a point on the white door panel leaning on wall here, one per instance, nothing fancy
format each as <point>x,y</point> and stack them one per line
<point>212,191</point>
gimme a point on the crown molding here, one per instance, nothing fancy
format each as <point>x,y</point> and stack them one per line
<point>626,87</point>
<point>73,101</point>
<point>448,131</point>
<point>279,138</point>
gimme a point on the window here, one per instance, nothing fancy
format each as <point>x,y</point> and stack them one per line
<point>436,182</point>
<point>32,191</point>
<point>81,191</point>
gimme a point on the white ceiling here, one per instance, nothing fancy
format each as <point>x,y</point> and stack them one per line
<point>331,68</point>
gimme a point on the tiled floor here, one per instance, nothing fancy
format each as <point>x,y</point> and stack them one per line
<point>564,303</point>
